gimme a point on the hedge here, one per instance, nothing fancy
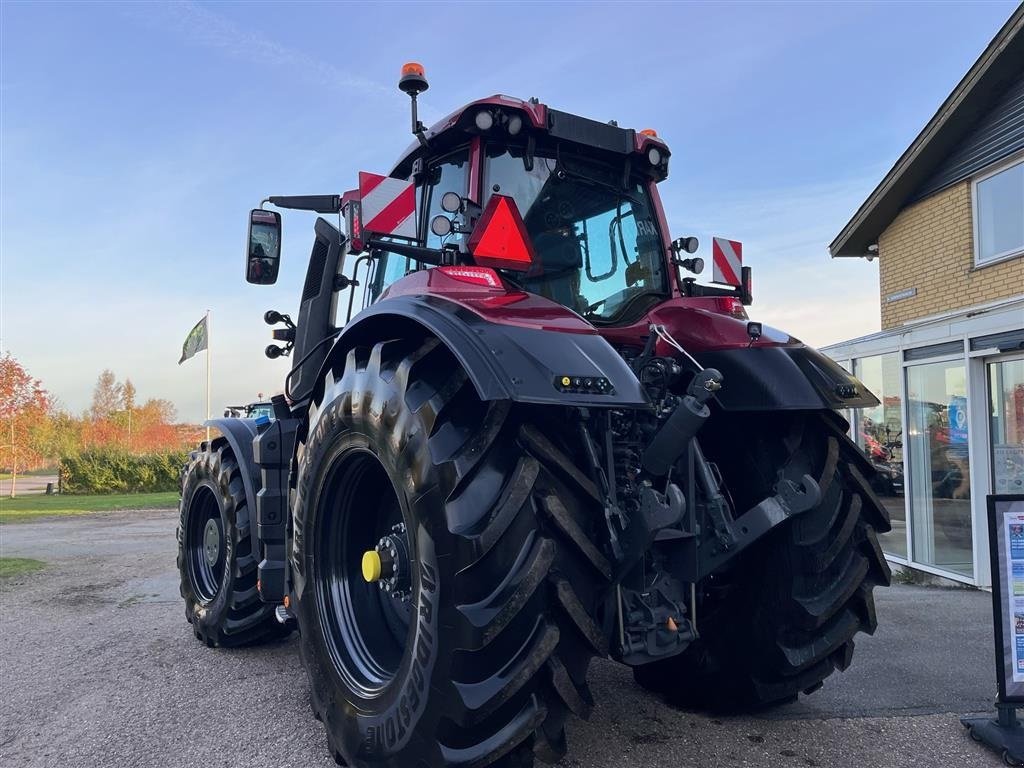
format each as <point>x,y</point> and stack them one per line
<point>103,470</point>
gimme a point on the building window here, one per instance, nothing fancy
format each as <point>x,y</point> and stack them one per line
<point>940,479</point>
<point>878,432</point>
<point>999,214</point>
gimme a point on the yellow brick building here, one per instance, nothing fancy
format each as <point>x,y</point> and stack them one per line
<point>929,247</point>
<point>947,227</point>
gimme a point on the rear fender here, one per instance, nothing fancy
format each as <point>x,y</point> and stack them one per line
<point>784,378</point>
<point>775,372</point>
<point>522,361</point>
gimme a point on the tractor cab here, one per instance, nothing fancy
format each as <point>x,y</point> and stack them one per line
<point>575,198</point>
<point>587,224</point>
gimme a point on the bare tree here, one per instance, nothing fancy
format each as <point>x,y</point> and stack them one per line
<point>107,396</point>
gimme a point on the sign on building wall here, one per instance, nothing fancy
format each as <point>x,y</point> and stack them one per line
<point>957,419</point>
<point>906,293</point>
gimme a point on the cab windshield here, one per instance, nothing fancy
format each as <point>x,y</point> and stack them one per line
<point>597,240</point>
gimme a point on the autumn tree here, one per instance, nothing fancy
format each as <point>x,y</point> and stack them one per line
<point>126,413</point>
<point>107,396</point>
<point>158,410</point>
<point>58,435</point>
<point>128,395</point>
<point>155,429</point>
<point>23,405</point>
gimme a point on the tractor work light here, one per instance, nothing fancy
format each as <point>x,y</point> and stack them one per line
<point>685,245</point>
<point>654,156</point>
<point>695,265</point>
<point>441,225</point>
<point>515,125</point>
<point>484,120</point>
<point>451,202</point>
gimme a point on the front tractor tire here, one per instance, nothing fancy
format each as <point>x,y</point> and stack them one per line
<point>472,648</point>
<point>216,558</point>
<point>784,617</point>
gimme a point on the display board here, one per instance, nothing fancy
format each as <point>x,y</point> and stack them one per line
<point>1006,542</point>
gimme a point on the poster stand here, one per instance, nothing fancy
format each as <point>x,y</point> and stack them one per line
<point>1005,733</point>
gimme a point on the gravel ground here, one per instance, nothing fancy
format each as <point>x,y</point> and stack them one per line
<point>99,668</point>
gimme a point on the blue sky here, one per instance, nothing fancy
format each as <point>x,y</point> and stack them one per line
<point>136,136</point>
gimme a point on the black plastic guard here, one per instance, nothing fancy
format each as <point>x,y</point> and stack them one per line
<point>505,362</point>
<point>239,434</point>
<point>272,453</point>
<point>784,379</point>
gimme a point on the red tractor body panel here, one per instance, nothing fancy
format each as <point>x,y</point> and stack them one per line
<point>502,305</point>
<point>700,324</point>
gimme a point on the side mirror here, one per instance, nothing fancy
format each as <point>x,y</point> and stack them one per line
<point>263,251</point>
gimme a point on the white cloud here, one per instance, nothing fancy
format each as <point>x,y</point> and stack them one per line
<point>201,26</point>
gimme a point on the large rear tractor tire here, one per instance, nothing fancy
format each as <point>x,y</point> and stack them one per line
<point>216,559</point>
<point>471,646</point>
<point>785,616</point>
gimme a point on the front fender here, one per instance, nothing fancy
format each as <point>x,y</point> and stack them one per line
<point>792,377</point>
<point>504,361</point>
<point>239,433</point>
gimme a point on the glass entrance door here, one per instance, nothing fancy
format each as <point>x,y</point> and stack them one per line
<point>940,481</point>
<point>1006,423</point>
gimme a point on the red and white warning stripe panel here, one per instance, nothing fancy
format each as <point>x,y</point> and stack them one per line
<point>728,261</point>
<point>387,206</point>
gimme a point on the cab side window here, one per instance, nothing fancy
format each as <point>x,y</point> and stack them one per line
<point>450,174</point>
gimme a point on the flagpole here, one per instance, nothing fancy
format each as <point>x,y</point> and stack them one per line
<point>209,354</point>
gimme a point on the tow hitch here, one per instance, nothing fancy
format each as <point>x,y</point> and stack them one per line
<point>733,536</point>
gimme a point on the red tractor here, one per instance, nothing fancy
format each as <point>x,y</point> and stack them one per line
<point>536,443</point>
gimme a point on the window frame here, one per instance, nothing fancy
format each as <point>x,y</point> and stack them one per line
<point>627,311</point>
<point>1013,253</point>
<point>424,191</point>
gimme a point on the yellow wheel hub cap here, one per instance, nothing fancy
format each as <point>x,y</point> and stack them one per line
<point>371,566</point>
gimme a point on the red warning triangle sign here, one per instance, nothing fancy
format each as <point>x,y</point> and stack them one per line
<point>500,239</point>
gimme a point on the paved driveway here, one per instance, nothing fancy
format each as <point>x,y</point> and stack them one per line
<point>98,668</point>
<point>26,484</point>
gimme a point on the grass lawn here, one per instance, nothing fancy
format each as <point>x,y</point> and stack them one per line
<point>18,566</point>
<point>32,506</point>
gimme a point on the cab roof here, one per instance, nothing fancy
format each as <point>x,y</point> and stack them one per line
<point>459,125</point>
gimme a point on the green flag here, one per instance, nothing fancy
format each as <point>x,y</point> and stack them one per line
<point>196,341</point>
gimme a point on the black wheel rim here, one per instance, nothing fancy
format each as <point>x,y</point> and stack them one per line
<point>366,630</point>
<point>205,549</point>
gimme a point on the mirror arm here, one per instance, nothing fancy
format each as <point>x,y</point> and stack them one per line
<point>431,256</point>
<point>318,203</point>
